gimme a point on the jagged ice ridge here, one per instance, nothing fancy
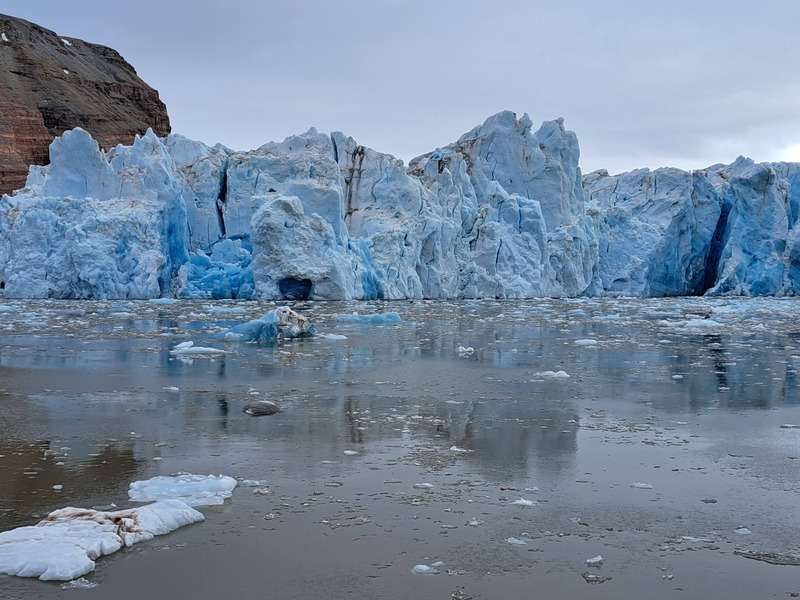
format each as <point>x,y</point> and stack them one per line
<point>504,212</point>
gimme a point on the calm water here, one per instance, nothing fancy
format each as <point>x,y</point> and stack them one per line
<point>561,403</point>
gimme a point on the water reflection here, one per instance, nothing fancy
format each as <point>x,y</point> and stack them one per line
<point>106,373</point>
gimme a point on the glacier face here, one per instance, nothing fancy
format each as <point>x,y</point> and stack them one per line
<point>503,212</point>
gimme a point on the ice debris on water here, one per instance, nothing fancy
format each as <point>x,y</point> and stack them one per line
<point>516,541</point>
<point>422,486</point>
<point>596,561</point>
<point>387,318</point>
<point>640,485</point>
<point>593,579</point>
<point>465,351</point>
<point>586,342</point>
<point>80,583</point>
<point>553,374</point>
<point>524,502</point>
<point>350,452</point>
<point>458,450</point>
<point>194,490</point>
<point>743,531</point>
<point>188,348</point>
<point>67,542</point>
<point>433,569</point>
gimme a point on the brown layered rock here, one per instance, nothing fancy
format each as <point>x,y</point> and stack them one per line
<point>50,84</point>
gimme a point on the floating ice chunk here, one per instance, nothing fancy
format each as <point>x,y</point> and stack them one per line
<point>465,351</point>
<point>280,323</point>
<point>524,502</point>
<point>459,450</point>
<point>332,336</point>
<point>789,426</point>
<point>677,376</point>
<point>80,583</point>
<point>7,308</point>
<point>194,490</point>
<point>586,342</point>
<point>743,531</point>
<point>350,452</point>
<point>553,374</point>
<point>433,569</point>
<point>641,486</point>
<point>596,561</point>
<point>171,388</point>
<point>65,545</point>
<point>185,348</point>
<point>387,318</point>
<point>423,486</point>
<point>516,541</point>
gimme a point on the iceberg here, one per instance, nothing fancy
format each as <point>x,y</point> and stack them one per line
<point>280,323</point>
<point>502,212</point>
<point>67,542</point>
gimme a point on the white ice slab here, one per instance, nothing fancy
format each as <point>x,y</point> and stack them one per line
<point>194,490</point>
<point>66,544</point>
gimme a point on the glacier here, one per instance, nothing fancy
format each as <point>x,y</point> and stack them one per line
<point>503,212</point>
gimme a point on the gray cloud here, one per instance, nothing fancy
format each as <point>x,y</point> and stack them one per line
<point>650,84</point>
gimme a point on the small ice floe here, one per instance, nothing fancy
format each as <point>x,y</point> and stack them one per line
<point>458,450</point>
<point>79,583</point>
<point>553,374</point>
<point>433,569</point>
<point>465,351</point>
<point>188,348</point>
<point>67,542</point>
<point>58,487</point>
<point>332,336</point>
<point>640,485</point>
<point>516,541</point>
<point>261,408</point>
<point>387,318</point>
<point>350,452</point>
<point>7,308</point>
<point>594,579</point>
<point>790,426</point>
<point>194,490</point>
<point>586,342</point>
<point>524,502</point>
<point>422,486</point>
<point>677,377</point>
<point>596,561</point>
<point>743,531</point>
<point>171,388</point>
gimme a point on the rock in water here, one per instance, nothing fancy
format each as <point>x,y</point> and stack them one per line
<point>51,84</point>
<point>261,408</point>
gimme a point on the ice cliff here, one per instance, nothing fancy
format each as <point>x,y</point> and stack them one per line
<point>503,212</point>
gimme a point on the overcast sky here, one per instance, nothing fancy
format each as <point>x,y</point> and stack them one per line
<point>644,83</point>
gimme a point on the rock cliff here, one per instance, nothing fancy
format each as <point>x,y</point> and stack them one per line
<point>50,84</point>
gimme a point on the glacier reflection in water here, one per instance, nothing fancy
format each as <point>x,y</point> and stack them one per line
<point>92,398</point>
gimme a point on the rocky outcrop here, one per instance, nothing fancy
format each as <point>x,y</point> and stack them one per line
<point>51,84</point>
